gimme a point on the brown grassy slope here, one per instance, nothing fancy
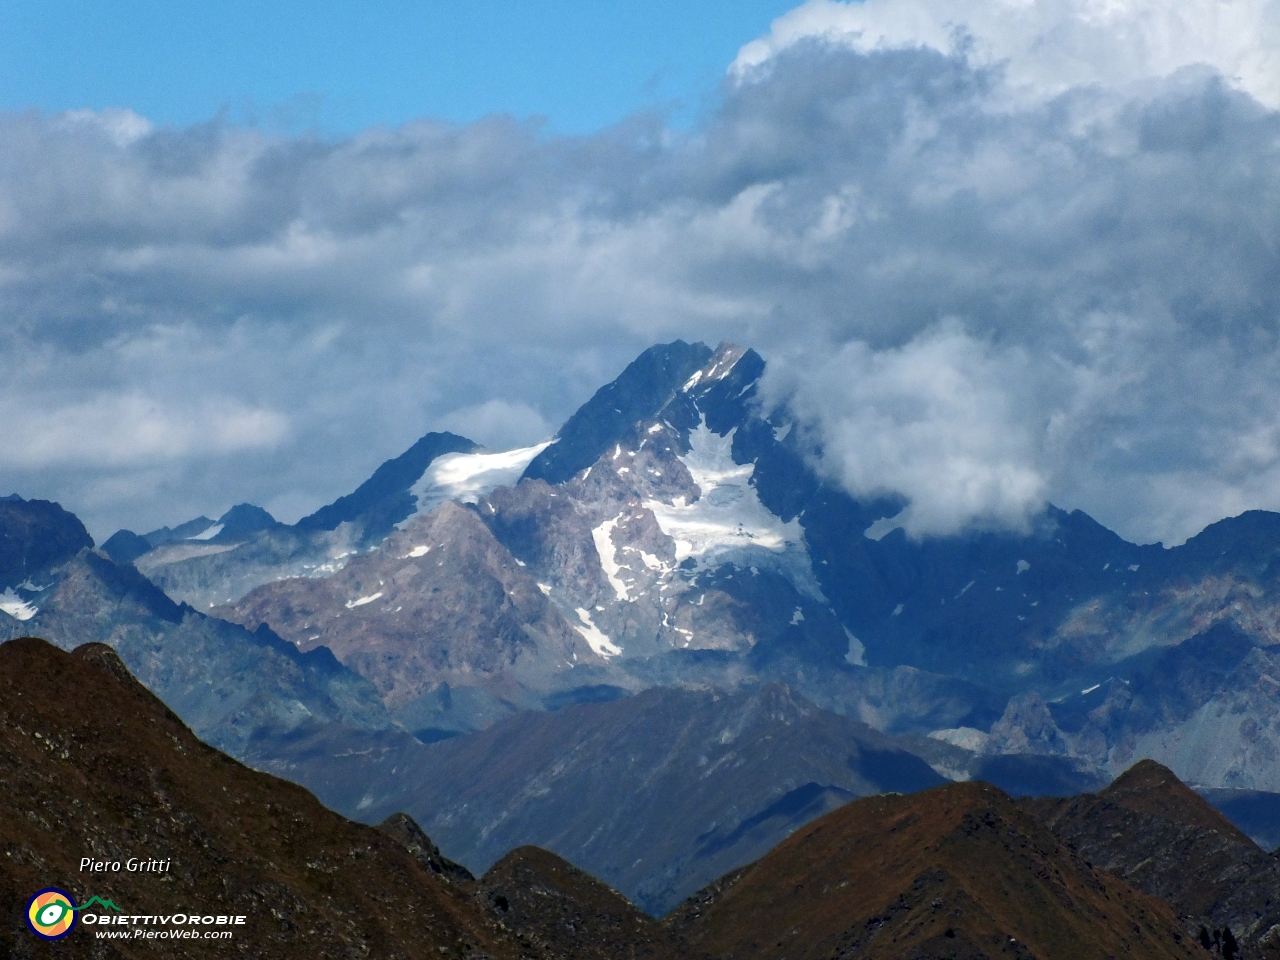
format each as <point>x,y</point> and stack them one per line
<point>1161,837</point>
<point>91,764</point>
<point>567,914</point>
<point>957,871</point>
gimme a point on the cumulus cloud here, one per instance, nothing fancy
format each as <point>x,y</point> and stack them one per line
<point>936,420</point>
<point>1046,47</point>
<point>983,286</point>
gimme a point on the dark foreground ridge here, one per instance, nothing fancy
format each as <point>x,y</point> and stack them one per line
<point>1162,838</point>
<point>958,871</point>
<point>560,911</point>
<point>92,765</point>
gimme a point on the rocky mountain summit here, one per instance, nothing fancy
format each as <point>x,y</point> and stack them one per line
<point>681,533</point>
<point>565,913</point>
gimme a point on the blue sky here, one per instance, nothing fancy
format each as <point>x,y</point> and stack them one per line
<point>343,66</point>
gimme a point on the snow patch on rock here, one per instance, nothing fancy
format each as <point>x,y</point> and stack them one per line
<point>603,538</point>
<point>469,476</point>
<point>728,523</point>
<point>857,655</point>
<point>15,606</point>
<point>967,738</point>
<point>598,642</point>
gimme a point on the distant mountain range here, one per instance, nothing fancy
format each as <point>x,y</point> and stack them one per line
<point>680,530</point>
<point>226,682</point>
<point>671,556</point>
<point>657,794</point>
<point>956,870</point>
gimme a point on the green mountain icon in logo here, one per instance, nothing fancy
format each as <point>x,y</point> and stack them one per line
<point>106,905</point>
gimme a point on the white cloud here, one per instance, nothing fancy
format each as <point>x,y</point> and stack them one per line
<point>937,420</point>
<point>1047,46</point>
<point>981,300</point>
<point>132,431</point>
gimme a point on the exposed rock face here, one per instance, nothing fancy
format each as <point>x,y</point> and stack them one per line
<point>1206,707</point>
<point>656,794</point>
<point>1160,837</point>
<point>1231,739</point>
<point>194,539</point>
<point>699,547</point>
<point>649,537</point>
<point>34,535</point>
<point>206,574</point>
<point>439,602</point>
<point>241,521</point>
<point>1026,727</point>
<point>125,546</point>
<point>91,764</point>
<point>678,529</point>
<point>644,388</point>
<point>958,871</point>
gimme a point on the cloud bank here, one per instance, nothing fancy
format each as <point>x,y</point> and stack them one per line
<point>1045,47</point>
<point>994,256</point>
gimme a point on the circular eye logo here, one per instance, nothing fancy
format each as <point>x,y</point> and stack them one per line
<point>51,913</point>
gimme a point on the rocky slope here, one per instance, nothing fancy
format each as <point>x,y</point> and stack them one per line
<point>35,536</point>
<point>438,613</point>
<point>563,913</point>
<point>226,682</point>
<point>92,765</point>
<point>1160,837</point>
<point>958,871</point>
